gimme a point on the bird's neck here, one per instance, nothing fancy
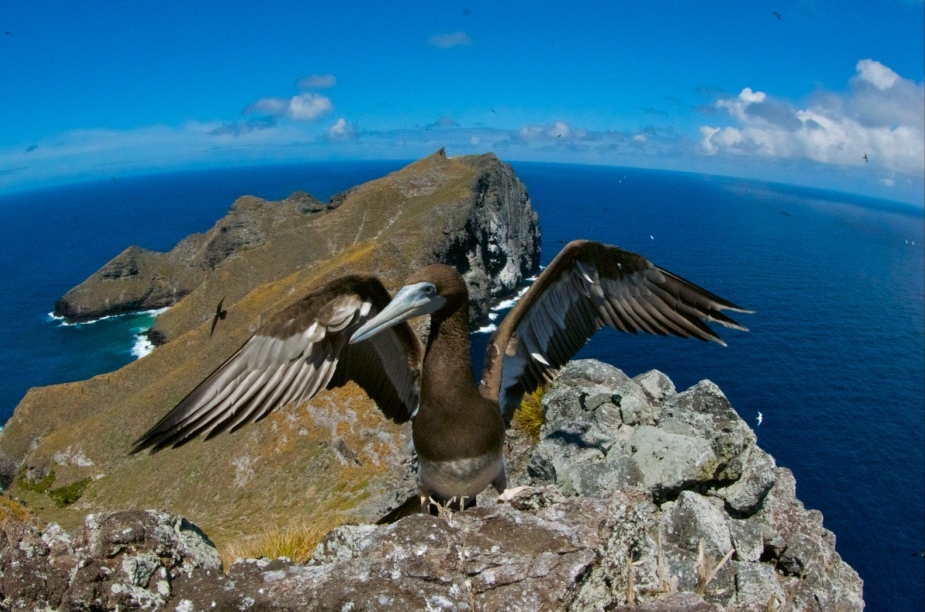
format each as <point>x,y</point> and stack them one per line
<point>447,362</point>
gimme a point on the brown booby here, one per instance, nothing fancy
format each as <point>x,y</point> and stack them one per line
<point>349,329</point>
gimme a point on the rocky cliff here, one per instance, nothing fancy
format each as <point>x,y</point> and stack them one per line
<point>635,497</point>
<point>470,212</point>
<point>332,457</point>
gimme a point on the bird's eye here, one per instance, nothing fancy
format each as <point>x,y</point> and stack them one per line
<point>429,289</point>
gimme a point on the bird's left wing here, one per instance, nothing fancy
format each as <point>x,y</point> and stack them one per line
<point>587,286</point>
<point>298,352</point>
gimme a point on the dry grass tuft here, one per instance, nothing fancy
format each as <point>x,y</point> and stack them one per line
<point>529,417</point>
<point>297,542</point>
<point>704,572</point>
<point>12,509</point>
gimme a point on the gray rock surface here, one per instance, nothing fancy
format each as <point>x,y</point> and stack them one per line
<point>123,560</point>
<point>593,528</point>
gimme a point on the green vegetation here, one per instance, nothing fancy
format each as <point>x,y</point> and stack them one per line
<point>68,494</point>
<point>529,417</point>
<point>36,486</point>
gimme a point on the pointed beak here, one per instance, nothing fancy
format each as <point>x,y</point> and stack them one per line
<point>410,301</point>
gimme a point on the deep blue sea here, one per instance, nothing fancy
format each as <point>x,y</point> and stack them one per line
<point>834,359</point>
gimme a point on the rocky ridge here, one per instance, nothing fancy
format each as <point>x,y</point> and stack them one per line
<point>469,212</point>
<point>635,497</point>
<point>334,456</point>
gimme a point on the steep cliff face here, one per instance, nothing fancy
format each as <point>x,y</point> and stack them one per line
<point>636,497</point>
<point>334,455</point>
<point>471,212</point>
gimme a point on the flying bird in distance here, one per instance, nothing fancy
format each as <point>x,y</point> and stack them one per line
<point>350,329</point>
<point>220,313</point>
<point>776,14</point>
<point>865,158</point>
<point>760,418</point>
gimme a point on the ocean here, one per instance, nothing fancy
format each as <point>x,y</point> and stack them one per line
<point>834,359</point>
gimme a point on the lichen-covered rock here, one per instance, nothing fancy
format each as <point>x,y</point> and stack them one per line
<point>124,560</point>
<point>584,533</point>
<point>711,484</point>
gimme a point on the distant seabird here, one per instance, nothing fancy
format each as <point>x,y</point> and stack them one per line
<point>349,329</point>
<point>776,14</point>
<point>760,418</point>
<point>219,314</point>
<point>865,158</point>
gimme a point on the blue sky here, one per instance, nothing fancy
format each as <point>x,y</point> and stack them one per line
<point>94,89</point>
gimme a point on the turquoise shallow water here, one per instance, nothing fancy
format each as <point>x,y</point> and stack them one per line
<point>834,360</point>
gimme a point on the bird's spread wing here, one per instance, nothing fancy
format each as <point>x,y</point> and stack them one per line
<point>587,286</point>
<point>300,351</point>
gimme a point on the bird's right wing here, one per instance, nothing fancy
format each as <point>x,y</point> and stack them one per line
<point>587,286</point>
<point>298,352</point>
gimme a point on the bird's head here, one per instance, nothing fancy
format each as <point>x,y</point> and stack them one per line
<point>427,291</point>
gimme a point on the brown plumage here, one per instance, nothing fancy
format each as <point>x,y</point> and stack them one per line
<point>349,329</point>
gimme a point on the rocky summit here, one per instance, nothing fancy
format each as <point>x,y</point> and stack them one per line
<point>635,497</point>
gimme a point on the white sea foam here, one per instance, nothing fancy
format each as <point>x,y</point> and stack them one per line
<point>487,329</point>
<point>510,303</point>
<point>142,346</point>
<point>64,323</point>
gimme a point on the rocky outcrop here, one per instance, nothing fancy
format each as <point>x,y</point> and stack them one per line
<point>136,560</point>
<point>636,497</point>
<point>470,212</point>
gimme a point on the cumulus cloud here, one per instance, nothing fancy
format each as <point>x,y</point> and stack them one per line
<point>876,74</point>
<point>882,115</point>
<point>453,39</point>
<point>303,107</point>
<point>317,81</point>
<point>342,130</point>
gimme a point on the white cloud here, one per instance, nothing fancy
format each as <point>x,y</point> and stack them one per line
<point>453,39</point>
<point>876,74</point>
<point>303,107</point>
<point>558,130</point>
<point>881,116</point>
<point>309,107</point>
<point>342,130</point>
<point>317,81</point>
